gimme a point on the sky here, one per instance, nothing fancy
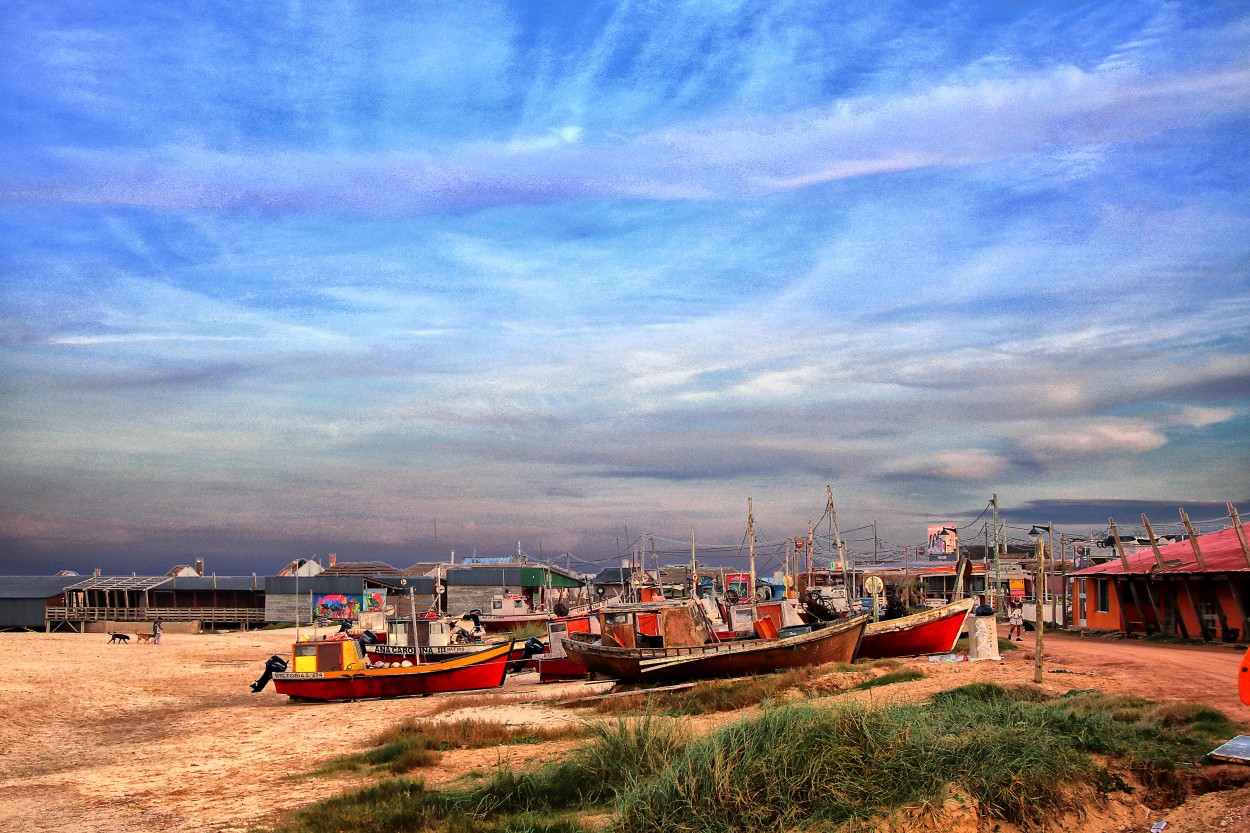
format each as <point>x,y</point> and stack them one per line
<point>392,280</point>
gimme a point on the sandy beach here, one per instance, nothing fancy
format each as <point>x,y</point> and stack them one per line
<point>106,738</point>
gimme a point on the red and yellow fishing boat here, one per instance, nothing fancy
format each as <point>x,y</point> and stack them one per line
<point>338,669</point>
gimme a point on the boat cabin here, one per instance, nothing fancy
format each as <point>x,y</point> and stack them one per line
<point>327,655</point>
<point>508,604</point>
<point>653,625</point>
<point>424,633</point>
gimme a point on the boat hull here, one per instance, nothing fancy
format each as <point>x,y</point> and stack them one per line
<point>931,632</point>
<point>836,642</point>
<point>486,669</point>
<point>554,669</point>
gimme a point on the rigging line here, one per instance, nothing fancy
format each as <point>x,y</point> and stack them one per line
<point>977,518</point>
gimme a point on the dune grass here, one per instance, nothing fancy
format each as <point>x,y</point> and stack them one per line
<point>412,744</point>
<point>795,766</point>
<point>903,675</point>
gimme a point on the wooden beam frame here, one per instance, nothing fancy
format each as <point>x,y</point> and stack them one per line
<point>1141,611</point>
<point>1241,606</point>
<point>1193,541</point>
<point>1181,628</point>
<point>1202,623</point>
<point>1241,533</point>
<point>1158,613</point>
<point>1121,599</point>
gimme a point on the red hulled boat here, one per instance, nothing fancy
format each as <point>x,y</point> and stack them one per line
<point>931,632</point>
<point>336,669</point>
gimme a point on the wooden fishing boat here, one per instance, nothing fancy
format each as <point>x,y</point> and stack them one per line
<point>931,632</point>
<point>670,643</point>
<point>337,669</point>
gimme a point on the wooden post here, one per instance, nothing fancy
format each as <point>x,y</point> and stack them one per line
<point>1119,547</point>
<point>1121,599</point>
<point>1241,533</point>
<point>1241,607</point>
<point>1150,596</point>
<point>1193,541</point>
<point>1202,623</point>
<point>1181,627</point>
<point>1154,545</point>
<point>1219,608</point>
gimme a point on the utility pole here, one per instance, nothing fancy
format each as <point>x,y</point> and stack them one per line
<point>755,605</point>
<point>1062,620</point>
<point>907,575</point>
<point>1040,594</point>
<point>984,555</point>
<point>694,568</point>
<point>997,558</point>
<point>811,555</point>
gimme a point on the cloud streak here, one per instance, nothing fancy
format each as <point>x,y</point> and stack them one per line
<point>946,125</point>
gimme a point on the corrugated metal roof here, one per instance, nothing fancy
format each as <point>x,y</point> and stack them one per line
<point>215,582</point>
<point>120,582</point>
<point>290,585</point>
<point>361,568</point>
<point>1221,553</point>
<point>34,587</point>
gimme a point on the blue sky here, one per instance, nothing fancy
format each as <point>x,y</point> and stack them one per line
<point>287,280</point>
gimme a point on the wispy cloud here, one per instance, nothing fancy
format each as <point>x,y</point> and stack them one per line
<point>570,266</point>
<point>946,125</point>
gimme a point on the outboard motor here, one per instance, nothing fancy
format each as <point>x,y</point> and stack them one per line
<point>533,646</point>
<point>274,665</point>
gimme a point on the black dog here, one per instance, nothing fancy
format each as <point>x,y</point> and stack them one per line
<point>119,637</point>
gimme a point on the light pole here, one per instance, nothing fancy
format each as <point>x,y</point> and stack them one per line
<point>1039,593</point>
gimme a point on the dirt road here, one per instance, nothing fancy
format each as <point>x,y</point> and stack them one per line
<point>1188,673</point>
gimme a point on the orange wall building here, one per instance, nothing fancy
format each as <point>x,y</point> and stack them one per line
<point>1197,588</point>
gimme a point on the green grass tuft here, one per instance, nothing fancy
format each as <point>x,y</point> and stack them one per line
<point>901,676</point>
<point>412,745</point>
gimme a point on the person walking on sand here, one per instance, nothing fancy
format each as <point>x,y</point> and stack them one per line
<point>1016,619</point>
<point>156,631</point>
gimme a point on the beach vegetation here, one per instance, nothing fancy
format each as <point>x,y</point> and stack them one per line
<point>793,765</point>
<point>414,744</point>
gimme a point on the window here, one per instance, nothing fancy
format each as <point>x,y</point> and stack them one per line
<point>1104,596</point>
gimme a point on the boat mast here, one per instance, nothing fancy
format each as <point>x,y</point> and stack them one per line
<point>840,544</point>
<point>755,604</point>
<point>808,552</point>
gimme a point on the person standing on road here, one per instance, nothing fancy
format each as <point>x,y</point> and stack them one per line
<point>156,631</point>
<point>1016,620</point>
